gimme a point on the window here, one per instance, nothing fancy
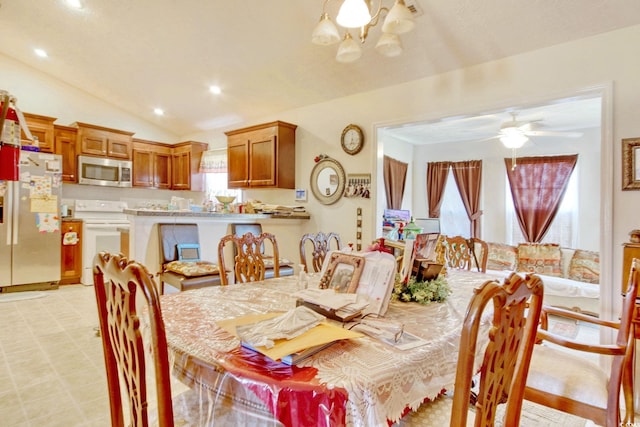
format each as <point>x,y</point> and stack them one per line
<point>214,166</point>
<point>453,216</point>
<point>563,229</point>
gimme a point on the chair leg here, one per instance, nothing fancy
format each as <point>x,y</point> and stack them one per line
<point>627,381</point>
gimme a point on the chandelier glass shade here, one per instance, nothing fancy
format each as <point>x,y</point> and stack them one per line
<point>359,14</point>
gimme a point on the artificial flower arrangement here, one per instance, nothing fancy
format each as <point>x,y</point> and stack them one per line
<point>407,290</point>
<point>436,290</point>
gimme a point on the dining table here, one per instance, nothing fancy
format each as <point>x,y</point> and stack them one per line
<point>356,382</point>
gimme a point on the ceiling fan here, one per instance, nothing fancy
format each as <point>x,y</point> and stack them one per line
<point>515,133</point>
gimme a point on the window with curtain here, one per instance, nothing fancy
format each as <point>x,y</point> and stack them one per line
<point>564,228</point>
<point>214,166</point>
<point>454,220</point>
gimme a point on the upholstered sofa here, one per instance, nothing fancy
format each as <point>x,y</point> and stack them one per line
<point>571,277</point>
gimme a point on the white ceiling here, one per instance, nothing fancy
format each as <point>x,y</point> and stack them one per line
<point>142,54</point>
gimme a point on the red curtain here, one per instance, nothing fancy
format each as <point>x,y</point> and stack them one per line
<point>468,176</point>
<point>537,186</point>
<point>395,174</point>
<point>436,180</point>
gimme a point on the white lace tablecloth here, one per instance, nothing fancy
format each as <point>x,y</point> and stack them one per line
<point>380,381</point>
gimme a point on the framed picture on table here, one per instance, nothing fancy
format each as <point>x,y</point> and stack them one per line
<point>631,164</point>
<point>343,272</point>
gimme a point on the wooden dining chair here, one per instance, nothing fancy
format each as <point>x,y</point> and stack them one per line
<point>321,244</point>
<point>248,259</point>
<point>569,382</point>
<point>255,228</point>
<point>183,273</point>
<point>516,306</point>
<point>119,284</point>
<point>466,254</point>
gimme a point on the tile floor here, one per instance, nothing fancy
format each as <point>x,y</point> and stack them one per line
<point>51,361</point>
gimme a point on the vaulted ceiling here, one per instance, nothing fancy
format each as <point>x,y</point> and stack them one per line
<point>144,54</point>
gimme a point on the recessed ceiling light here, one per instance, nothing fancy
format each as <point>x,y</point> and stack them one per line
<point>158,111</point>
<point>215,90</point>
<point>40,52</point>
<point>76,4</point>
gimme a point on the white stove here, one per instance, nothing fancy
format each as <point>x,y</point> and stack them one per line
<point>102,222</point>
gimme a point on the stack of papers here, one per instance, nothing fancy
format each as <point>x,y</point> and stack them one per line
<point>335,305</point>
<point>289,350</point>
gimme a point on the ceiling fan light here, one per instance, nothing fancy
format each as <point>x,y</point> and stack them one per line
<point>399,20</point>
<point>353,14</point>
<point>325,32</point>
<point>514,140</point>
<point>389,45</point>
<point>349,50</point>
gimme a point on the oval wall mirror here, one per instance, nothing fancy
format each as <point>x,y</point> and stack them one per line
<point>327,181</point>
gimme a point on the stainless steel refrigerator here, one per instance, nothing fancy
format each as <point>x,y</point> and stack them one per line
<point>30,223</point>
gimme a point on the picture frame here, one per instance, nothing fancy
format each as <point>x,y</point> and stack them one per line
<point>301,195</point>
<point>343,272</point>
<point>631,164</point>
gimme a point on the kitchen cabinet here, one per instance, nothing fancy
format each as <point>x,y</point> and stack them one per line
<point>103,142</point>
<point>71,253</point>
<point>185,166</point>
<point>262,156</point>
<point>41,127</point>
<point>65,145</point>
<point>151,164</point>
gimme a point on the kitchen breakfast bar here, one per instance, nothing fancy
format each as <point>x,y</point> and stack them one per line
<point>144,242</point>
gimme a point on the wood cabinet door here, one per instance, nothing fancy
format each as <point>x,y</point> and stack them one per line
<point>93,144</point>
<point>162,170</point>
<point>262,154</point>
<point>237,161</point>
<point>118,148</point>
<point>142,168</point>
<point>41,127</point>
<point>65,145</point>
<point>181,171</point>
<point>71,254</point>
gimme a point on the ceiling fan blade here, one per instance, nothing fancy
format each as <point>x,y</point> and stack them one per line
<point>554,133</point>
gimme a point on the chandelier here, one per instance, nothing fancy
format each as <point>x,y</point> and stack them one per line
<point>358,14</point>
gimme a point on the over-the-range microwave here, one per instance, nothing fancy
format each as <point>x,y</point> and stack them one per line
<point>103,171</point>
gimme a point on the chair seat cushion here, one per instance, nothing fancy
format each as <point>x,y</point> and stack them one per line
<point>268,262</point>
<point>192,268</point>
<point>562,373</point>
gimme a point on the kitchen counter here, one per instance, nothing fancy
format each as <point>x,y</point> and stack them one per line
<point>212,226</point>
<point>215,215</point>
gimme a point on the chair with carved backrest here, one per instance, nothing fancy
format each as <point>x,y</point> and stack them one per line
<point>239,229</point>
<point>517,304</point>
<point>118,283</point>
<point>248,257</point>
<point>567,381</point>
<point>465,253</point>
<point>321,244</point>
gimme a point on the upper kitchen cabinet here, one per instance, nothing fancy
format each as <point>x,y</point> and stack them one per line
<point>104,142</point>
<point>65,144</point>
<point>185,166</point>
<point>262,156</point>
<point>151,164</point>
<point>41,127</point>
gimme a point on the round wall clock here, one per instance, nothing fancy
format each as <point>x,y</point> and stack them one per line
<point>352,139</point>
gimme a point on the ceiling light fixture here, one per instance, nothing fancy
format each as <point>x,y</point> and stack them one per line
<point>40,52</point>
<point>76,4</point>
<point>215,90</point>
<point>158,111</point>
<point>358,14</point>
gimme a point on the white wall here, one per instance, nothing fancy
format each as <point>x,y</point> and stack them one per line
<point>549,73</point>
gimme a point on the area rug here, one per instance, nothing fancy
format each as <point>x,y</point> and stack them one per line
<point>19,296</point>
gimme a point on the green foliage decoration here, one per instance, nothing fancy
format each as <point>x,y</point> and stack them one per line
<point>436,290</point>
